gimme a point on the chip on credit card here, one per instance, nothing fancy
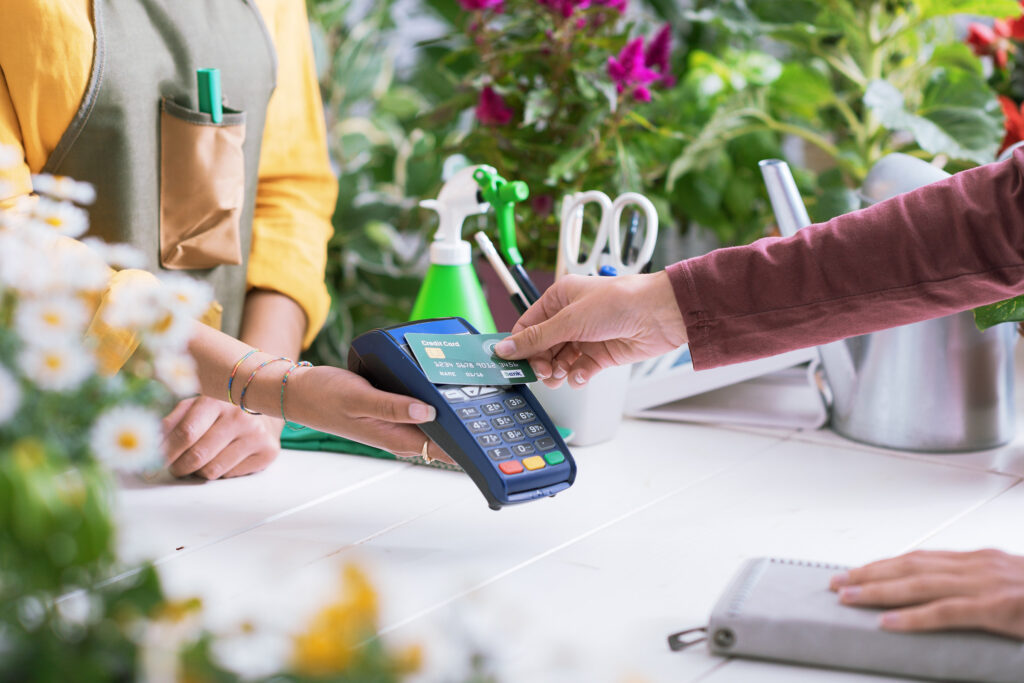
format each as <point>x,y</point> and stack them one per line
<point>466,359</point>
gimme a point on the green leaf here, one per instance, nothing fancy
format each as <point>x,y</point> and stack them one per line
<point>958,116</point>
<point>984,8</point>
<point>1011,310</point>
<point>801,91</point>
<point>569,163</point>
<point>540,105</point>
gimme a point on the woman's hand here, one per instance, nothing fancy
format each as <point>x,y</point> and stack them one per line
<point>343,403</point>
<point>941,590</point>
<point>585,324</point>
<point>214,439</point>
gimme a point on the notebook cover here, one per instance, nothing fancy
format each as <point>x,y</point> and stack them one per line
<point>783,610</point>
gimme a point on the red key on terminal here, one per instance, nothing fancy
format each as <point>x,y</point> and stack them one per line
<point>511,467</point>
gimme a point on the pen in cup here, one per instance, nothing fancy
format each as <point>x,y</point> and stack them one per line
<point>519,301</point>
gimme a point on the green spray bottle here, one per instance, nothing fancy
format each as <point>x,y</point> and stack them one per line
<point>451,286</point>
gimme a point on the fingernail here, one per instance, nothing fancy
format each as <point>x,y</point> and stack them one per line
<point>560,371</point>
<point>540,374</point>
<point>505,348</point>
<point>890,620</point>
<point>839,580</point>
<point>849,594</point>
<point>422,412</point>
<point>578,378</point>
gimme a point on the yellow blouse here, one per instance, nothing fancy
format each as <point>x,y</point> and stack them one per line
<point>41,89</point>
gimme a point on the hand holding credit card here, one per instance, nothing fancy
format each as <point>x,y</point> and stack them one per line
<point>466,359</point>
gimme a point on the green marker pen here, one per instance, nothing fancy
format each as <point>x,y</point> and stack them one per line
<point>209,93</point>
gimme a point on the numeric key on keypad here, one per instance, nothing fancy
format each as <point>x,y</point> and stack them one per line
<point>514,402</point>
<point>522,449</point>
<point>467,413</point>
<point>526,416</point>
<point>477,426</point>
<point>511,435</point>
<point>503,422</point>
<point>492,408</point>
<point>535,429</point>
<point>489,440</point>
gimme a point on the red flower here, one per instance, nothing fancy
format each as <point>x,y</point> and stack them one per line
<point>629,70</point>
<point>475,5</point>
<point>996,41</point>
<point>659,51</point>
<point>1014,122</point>
<point>491,110</point>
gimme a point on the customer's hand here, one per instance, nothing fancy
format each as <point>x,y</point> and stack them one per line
<point>585,324</point>
<point>343,403</point>
<point>214,439</point>
<point>941,590</point>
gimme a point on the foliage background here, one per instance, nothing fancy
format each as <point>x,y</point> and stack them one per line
<point>837,84</point>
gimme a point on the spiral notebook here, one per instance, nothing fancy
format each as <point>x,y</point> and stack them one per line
<point>783,610</point>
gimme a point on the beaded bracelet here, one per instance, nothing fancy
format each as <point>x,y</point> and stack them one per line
<point>284,383</point>
<point>241,399</point>
<point>234,370</point>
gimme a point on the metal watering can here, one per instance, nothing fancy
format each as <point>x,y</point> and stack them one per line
<point>939,385</point>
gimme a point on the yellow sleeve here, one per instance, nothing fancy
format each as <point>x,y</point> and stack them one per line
<point>297,189</point>
<point>16,180</point>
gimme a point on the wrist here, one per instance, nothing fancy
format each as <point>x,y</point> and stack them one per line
<point>664,307</point>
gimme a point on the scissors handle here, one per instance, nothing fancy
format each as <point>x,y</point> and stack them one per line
<point>615,225</point>
<point>570,237</point>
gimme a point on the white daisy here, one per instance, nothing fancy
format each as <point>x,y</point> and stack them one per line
<point>9,157</point>
<point>178,373</point>
<point>117,255</point>
<point>55,366</point>
<point>63,217</point>
<point>134,307</point>
<point>80,270</point>
<point>127,438</point>
<point>10,395</point>
<point>62,187</point>
<point>186,295</point>
<point>171,332</point>
<point>50,318</point>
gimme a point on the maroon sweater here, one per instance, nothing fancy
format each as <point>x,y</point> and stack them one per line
<point>946,247</point>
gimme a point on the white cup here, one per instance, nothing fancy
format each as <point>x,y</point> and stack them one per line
<point>593,412</point>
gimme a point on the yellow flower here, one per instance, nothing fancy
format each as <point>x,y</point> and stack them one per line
<point>333,640</point>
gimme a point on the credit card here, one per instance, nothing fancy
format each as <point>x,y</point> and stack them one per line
<point>466,359</point>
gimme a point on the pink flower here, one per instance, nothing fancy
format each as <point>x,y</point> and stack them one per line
<point>657,56</point>
<point>629,70</point>
<point>476,5</point>
<point>565,7</point>
<point>491,110</point>
<point>617,5</point>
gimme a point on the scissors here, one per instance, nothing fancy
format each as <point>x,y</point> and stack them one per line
<point>608,234</point>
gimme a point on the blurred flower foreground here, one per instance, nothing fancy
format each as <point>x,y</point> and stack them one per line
<point>71,312</point>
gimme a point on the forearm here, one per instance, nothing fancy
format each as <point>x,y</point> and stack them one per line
<point>947,247</point>
<point>273,323</point>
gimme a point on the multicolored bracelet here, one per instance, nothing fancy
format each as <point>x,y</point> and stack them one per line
<point>241,399</point>
<point>284,383</point>
<point>234,371</point>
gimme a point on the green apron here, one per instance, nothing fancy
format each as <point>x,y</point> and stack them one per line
<point>145,61</point>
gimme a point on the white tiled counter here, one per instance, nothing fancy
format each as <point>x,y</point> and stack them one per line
<point>581,587</point>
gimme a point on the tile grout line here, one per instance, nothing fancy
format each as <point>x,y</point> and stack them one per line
<point>956,518</point>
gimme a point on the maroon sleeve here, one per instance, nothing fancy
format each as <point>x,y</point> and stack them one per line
<point>947,247</point>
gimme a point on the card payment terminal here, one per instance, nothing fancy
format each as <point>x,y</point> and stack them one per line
<point>500,435</point>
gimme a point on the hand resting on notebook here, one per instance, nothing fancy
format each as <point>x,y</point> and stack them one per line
<point>936,590</point>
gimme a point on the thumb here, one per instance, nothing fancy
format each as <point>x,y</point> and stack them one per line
<point>535,339</point>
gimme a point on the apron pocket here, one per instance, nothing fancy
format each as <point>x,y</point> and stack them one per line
<point>202,188</point>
